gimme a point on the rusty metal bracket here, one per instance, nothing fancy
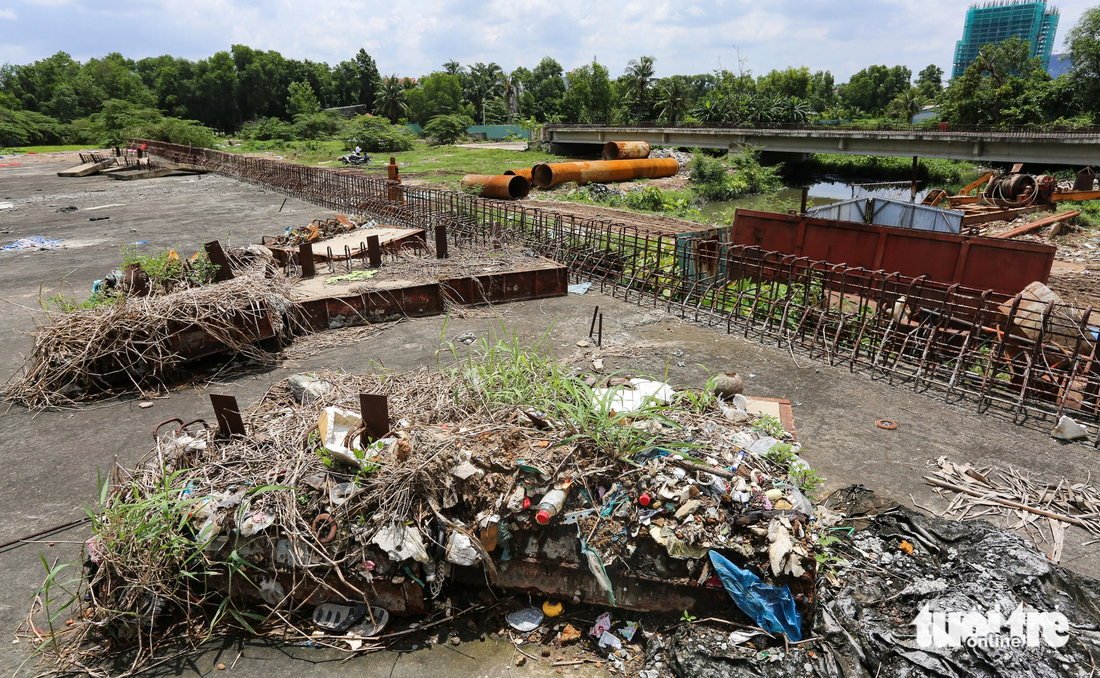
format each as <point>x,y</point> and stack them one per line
<point>374,251</point>
<point>441,242</point>
<point>217,257</point>
<point>375,411</point>
<point>305,260</point>
<point>228,414</point>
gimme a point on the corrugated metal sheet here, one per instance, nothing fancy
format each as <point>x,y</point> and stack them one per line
<point>845,210</point>
<point>886,212</point>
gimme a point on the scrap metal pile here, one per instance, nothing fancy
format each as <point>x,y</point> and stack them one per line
<point>330,512</point>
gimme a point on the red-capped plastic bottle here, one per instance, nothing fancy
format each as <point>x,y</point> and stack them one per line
<point>552,503</point>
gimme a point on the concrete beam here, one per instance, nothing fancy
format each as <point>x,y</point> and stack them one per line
<point>1046,148</point>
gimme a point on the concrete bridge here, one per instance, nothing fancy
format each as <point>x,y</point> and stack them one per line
<point>1078,148</point>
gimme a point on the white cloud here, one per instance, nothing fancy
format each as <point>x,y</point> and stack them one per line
<point>413,37</point>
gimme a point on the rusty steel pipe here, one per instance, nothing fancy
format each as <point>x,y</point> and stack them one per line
<point>625,150</point>
<point>602,171</point>
<point>500,187</point>
<point>525,173</point>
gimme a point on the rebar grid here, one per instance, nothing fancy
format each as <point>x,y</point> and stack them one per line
<point>1012,353</point>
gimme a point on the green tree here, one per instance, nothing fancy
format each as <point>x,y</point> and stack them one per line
<point>1004,85</point>
<point>873,88</point>
<point>546,85</point>
<point>390,100</point>
<point>640,73</point>
<point>1084,56</point>
<point>452,67</point>
<point>482,84</point>
<point>447,129</point>
<point>438,94</point>
<point>930,81</point>
<point>369,80</point>
<point>822,91</point>
<point>907,104</point>
<point>301,100</point>
<point>672,100</point>
<point>791,82</point>
<point>588,98</point>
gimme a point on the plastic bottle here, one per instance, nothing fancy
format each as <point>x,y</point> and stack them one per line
<point>551,503</point>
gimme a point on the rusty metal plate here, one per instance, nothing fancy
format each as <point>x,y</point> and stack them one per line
<point>1005,266</point>
<point>552,281</point>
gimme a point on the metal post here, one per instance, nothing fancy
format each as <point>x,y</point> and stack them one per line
<point>805,196</point>
<point>375,411</point>
<point>305,260</point>
<point>913,188</point>
<point>228,414</point>
<point>441,242</point>
<point>216,255</point>
<point>374,251</point>
<point>599,337</point>
<point>592,328</point>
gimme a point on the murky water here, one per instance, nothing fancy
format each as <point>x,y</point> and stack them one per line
<point>821,193</point>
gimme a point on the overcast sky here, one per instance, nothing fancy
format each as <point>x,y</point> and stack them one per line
<point>414,37</point>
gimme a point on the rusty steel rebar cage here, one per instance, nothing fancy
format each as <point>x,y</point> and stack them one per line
<point>1014,354</point>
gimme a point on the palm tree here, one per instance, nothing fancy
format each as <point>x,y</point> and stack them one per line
<point>672,100</point>
<point>795,110</point>
<point>509,91</point>
<point>907,105</point>
<point>452,67</point>
<point>482,84</point>
<point>390,100</point>
<point>641,71</point>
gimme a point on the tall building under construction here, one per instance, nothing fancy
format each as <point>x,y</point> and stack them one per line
<point>999,20</point>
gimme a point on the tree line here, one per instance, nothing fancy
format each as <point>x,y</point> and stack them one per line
<point>59,98</point>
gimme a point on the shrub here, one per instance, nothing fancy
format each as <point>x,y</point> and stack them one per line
<point>27,128</point>
<point>447,129</point>
<point>268,129</point>
<point>118,121</point>
<point>323,125</point>
<point>376,135</point>
<point>711,181</point>
<point>649,199</point>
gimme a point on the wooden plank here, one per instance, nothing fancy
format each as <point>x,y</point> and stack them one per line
<point>87,168</point>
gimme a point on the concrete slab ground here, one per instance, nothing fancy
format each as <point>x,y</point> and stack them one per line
<point>48,460</point>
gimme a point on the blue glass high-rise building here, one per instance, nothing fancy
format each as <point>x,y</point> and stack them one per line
<point>989,22</point>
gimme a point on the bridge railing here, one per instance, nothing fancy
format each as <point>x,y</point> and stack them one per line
<point>1036,131</point>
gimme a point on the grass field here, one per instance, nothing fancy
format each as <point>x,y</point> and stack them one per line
<point>42,149</point>
<point>424,162</point>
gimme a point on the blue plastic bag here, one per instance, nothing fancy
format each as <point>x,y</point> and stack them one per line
<point>770,606</point>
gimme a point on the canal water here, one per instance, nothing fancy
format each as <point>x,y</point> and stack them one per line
<point>821,193</point>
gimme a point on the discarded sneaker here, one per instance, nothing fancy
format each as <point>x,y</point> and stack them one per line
<point>337,618</point>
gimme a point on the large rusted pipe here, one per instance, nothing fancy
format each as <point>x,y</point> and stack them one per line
<point>602,171</point>
<point>625,150</point>
<point>501,187</point>
<point>525,173</point>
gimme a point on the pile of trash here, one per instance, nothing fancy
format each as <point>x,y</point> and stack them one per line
<point>908,595</point>
<point>35,242</point>
<point>318,229</point>
<point>680,156</point>
<point>323,518</point>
